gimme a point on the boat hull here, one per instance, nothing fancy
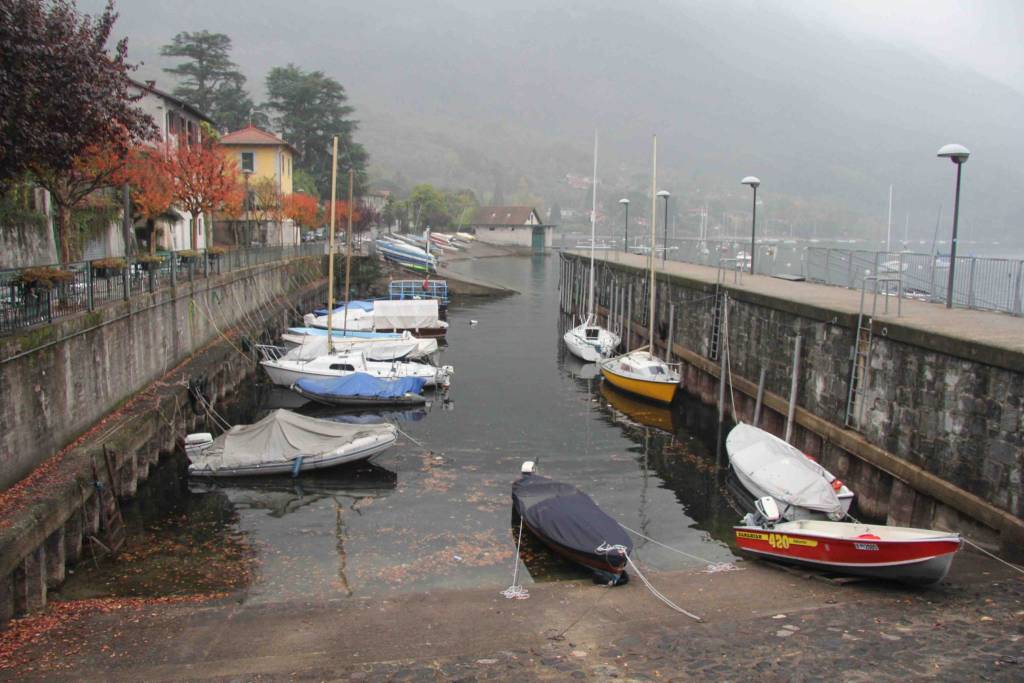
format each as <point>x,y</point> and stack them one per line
<point>286,377</point>
<point>363,449</point>
<point>407,399</point>
<point>590,350</point>
<point>662,392</point>
<point>913,561</point>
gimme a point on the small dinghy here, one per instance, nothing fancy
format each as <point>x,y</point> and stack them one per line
<point>572,525</point>
<point>284,442</point>
<point>361,389</point>
<point>768,466</point>
<point>912,556</point>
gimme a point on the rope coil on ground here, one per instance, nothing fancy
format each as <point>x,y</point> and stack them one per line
<point>515,591</point>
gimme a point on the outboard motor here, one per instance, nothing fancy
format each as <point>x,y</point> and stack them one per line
<point>196,443</point>
<point>527,467</point>
<point>767,513</point>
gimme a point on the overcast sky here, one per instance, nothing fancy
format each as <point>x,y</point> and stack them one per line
<point>984,35</point>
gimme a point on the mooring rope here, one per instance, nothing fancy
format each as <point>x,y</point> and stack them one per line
<point>997,559</point>
<point>515,591</point>
<point>712,567</point>
<point>658,594</point>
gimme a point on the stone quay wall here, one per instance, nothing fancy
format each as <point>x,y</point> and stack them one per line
<point>941,439</point>
<point>49,518</point>
<point>60,379</point>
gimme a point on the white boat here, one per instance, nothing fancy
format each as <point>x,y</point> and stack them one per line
<point>588,340</point>
<point>285,442</point>
<point>285,370</point>
<point>403,345</point>
<point>421,317</point>
<point>768,466</point>
<point>640,372</point>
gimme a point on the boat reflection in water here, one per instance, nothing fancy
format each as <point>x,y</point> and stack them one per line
<point>579,369</point>
<point>637,410</point>
<point>363,416</point>
<point>280,495</point>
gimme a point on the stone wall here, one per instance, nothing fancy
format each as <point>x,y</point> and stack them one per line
<point>938,411</point>
<point>60,379</point>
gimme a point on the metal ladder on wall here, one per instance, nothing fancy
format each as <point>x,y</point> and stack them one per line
<point>860,366</point>
<point>111,520</point>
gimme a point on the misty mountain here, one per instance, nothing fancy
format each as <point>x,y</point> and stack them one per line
<point>469,93</point>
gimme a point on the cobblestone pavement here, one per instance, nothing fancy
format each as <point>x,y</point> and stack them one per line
<point>761,623</point>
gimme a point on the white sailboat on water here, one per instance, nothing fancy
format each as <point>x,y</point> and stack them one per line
<point>640,372</point>
<point>588,340</point>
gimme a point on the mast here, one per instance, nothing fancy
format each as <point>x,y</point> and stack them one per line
<point>888,227</point>
<point>330,249</point>
<point>650,255</point>
<point>593,232</point>
<point>348,255</point>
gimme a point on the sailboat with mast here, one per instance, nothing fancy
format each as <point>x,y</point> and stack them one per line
<point>588,340</point>
<point>639,371</point>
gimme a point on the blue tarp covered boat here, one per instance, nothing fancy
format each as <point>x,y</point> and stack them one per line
<point>361,389</point>
<point>570,523</point>
<point>352,306</point>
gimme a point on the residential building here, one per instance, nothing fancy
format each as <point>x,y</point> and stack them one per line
<point>263,155</point>
<point>514,225</point>
<point>177,122</point>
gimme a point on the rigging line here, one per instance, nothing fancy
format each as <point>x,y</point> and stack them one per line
<point>213,322</point>
<point>561,634</point>
<point>208,407</point>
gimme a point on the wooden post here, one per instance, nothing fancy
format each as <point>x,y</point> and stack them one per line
<point>629,318</point>
<point>793,387</point>
<point>760,397</point>
<point>671,332</point>
<point>724,353</point>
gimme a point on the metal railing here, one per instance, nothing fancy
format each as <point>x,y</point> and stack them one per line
<point>992,284</point>
<point>82,286</point>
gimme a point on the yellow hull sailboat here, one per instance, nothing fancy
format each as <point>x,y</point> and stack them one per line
<point>640,372</point>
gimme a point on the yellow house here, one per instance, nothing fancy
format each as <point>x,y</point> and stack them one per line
<point>261,154</point>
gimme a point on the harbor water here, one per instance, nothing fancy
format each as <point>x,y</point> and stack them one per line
<point>434,512</point>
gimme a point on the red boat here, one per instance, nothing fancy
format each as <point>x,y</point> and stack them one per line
<point>914,556</point>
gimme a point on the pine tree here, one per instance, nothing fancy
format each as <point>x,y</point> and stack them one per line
<point>208,79</point>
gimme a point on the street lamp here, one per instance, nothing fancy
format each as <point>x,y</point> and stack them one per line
<point>958,155</point>
<point>625,203</point>
<point>753,181</point>
<point>664,194</point>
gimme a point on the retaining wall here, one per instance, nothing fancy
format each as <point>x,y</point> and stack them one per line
<point>942,439</point>
<point>60,379</point>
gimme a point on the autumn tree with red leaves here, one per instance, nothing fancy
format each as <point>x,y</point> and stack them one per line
<point>206,179</point>
<point>301,208</point>
<point>152,186</point>
<point>94,169</point>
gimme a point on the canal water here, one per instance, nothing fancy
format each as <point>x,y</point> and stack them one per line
<point>434,512</point>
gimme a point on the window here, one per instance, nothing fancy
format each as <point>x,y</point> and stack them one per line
<point>248,162</point>
<point>343,366</point>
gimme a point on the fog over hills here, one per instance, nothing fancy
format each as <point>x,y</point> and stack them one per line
<point>477,93</point>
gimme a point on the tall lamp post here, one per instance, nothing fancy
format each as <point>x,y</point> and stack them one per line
<point>664,194</point>
<point>958,155</point>
<point>625,203</point>
<point>753,181</point>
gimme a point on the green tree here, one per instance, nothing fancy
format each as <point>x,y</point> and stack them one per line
<point>309,109</point>
<point>208,79</point>
<point>304,182</point>
<point>428,208</point>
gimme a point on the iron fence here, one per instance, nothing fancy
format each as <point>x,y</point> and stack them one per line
<point>993,284</point>
<point>42,294</point>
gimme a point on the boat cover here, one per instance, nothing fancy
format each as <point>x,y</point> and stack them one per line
<point>280,437</point>
<point>356,305</point>
<point>360,384</point>
<point>406,314</point>
<point>782,471</point>
<point>567,516</point>
<point>312,346</point>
